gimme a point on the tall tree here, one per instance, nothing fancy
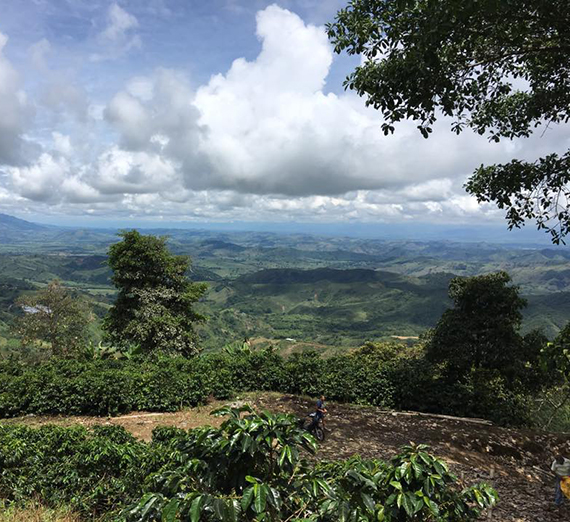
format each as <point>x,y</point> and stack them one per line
<point>155,304</point>
<point>501,67</point>
<point>54,318</point>
<point>481,331</point>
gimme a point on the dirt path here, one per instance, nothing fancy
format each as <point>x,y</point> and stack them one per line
<point>515,462</point>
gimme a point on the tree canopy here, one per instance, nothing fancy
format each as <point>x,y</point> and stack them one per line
<point>155,304</point>
<point>500,67</point>
<point>481,331</point>
<point>54,316</point>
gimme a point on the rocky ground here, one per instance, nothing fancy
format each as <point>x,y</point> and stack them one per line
<point>515,462</point>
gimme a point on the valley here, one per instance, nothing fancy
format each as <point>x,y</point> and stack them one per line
<point>324,293</point>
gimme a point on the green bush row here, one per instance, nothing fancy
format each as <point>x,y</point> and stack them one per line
<point>110,387</point>
<point>89,471</point>
<point>200,475</point>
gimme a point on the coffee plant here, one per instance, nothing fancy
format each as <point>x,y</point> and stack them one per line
<point>111,387</point>
<point>256,468</point>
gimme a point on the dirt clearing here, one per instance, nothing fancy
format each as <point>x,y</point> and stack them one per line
<point>515,462</point>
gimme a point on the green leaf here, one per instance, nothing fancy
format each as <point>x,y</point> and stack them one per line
<point>247,498</point>
<point>196,509</point>
<point>368,502</point>
<point>170,510</point>
<point>260,497</point>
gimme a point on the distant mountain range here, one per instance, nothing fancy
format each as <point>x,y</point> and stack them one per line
<point>415,231</point>
<point>13,224</point>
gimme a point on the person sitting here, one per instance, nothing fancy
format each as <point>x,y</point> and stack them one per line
<point>319,413</point>
<point>561,468</point>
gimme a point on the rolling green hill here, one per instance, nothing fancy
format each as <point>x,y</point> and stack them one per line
<point>319,291</point>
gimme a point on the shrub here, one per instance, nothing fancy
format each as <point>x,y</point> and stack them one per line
<point>111,387</point>
<point>254,468</point>
<point>87,470</point>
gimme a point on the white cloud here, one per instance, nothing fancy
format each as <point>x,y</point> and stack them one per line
<point>62,144</point>
<point>119,23</point>
<point>64,97</point>
<point>262,141</point>
<point>120,172</point>
<point>42,180</point>
<point>119,36</point>
<point>38,54</point>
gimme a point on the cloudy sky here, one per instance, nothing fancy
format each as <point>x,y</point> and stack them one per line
<point>218,111</point>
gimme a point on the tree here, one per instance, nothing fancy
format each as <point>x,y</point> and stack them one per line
<point>481,331</point>
<point>154,308</point>
<point>54,316</point>
<point>500,67</point>
<point>556,361</point>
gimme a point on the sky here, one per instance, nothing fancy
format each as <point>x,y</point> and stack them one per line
<point>186,111</point>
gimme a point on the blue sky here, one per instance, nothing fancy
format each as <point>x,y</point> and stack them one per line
<point>186,111</point>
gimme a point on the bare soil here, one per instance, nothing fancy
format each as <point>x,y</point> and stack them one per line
<point>515,462</point>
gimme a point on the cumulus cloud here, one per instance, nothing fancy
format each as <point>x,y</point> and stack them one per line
<point>267,127</point>
<point>41,181</point>
<point>263,140</point>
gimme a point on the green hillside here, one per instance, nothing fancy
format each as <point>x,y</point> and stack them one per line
<point>324,292</point>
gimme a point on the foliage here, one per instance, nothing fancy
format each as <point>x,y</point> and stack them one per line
<point>481,331</point>
<point>53,316</point>
<point>553,406</point>
<point>382,351</point>
<point>100,350</point>
<point>105,387</point>
<point>237,348</point>
<point>501,68</point>
<point>34,512</point>
<point>90,471</point>
<point>252,469</point>
<point>556,355</point>
<point>155,304</point>
<point>110,387</point>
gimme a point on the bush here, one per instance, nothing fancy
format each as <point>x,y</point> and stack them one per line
<point>111,387</point>
<point>87,470</point>
<point>250,478</point>
<point>199,475</point>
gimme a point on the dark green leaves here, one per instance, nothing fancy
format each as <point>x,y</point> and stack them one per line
<point>154,306</point>
<point>538,190</point>
<point>194,476</point>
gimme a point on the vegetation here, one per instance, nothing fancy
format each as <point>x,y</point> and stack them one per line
<point>481,331</point>
<point>553,410</point>
<point>109,387</point>
<point>500,68</point>
<point>329,294</point>
<point>154,309</point>
<point>54,317</point>
<point>34,512</point>
<point>253,467</point>
<point>475,362</point>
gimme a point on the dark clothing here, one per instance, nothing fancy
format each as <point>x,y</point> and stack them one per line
<point>558,497</point>
<point>318,414</point>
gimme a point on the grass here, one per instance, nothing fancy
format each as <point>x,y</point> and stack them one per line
<point>34,512</point>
